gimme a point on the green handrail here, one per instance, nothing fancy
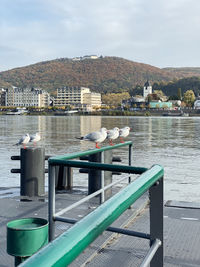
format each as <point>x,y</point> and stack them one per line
<point>87,152</point>
<point>99,166</point>
<point>63,250</point>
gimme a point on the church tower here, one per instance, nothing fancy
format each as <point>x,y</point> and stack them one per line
<point>147,89</point>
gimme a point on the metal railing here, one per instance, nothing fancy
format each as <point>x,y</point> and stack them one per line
<point>68,161</point>
<point>64,249</point>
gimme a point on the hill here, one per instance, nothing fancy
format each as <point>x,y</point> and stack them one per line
<point>184,72</point>
<point>105,74</point>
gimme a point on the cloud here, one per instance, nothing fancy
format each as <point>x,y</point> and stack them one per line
<point>158,32</point>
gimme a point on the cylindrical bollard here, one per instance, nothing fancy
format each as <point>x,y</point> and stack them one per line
<point>64,178</point>
<point>32,180</point>
<point>94,176</point>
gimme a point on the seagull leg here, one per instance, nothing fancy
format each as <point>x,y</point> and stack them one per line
<point>121,140</point>
<point>24,146</point>
<point>97,145</point>
<point>110,142</point>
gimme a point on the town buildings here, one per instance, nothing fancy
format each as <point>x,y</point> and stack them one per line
<point>26,97</point>
<point>148,100</point>
<point>78,97</point>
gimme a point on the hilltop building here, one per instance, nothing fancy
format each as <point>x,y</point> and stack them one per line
<point>85,57</point>
<point>147,89</point>
<point>78,97</point>
<point>26,97</point>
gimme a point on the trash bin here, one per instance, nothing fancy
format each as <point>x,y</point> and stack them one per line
<point>25,237</point>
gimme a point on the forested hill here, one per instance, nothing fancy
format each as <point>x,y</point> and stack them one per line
<point>105,74</point>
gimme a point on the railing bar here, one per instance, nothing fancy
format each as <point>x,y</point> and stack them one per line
<point>65,220</point>
<point>110,229</point>
<point>152,251</point>
<point>99,166</point>
<point>88,197</point>
<point>88,152</point>
<point>116,182</point>
<point>78,202</point>
<point>128,232</point>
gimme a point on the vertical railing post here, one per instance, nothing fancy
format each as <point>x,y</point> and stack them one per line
<point>51,201</point>
<point>102,197</point>
<point>129,159</point>
<point>108,155</point>
<point>156,221</point>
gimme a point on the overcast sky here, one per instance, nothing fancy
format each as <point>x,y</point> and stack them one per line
<point>161,33</point>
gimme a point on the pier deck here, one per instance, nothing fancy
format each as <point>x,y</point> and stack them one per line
<point>181,230</point>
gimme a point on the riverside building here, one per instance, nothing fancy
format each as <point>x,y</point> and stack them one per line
<point>147,89</point>
<point>2,97</point>
<point>26,97</point>
<point>78,97</point>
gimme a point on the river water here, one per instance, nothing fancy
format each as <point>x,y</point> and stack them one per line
<point>173,142</point>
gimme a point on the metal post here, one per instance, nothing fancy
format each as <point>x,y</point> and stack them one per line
<point>94,176</point>
<point>108,174</point>
<point>102,196</point>
<point>156,221</point>
<point>129,159</point>
<point>32,180</point>
<point>51,201</point>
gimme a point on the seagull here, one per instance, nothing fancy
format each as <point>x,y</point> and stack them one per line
<point>23,140</point>
<point>112,134</point>
<point>96,137</point>
<point>35,138</point>
<point>124,132</point>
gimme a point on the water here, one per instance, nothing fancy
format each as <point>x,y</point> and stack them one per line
<point>172,142</point>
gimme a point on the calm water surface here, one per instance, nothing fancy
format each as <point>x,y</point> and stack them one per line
<point>172,142</point>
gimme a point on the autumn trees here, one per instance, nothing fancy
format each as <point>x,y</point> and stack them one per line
<point>189,98</point>
<point>114,100</point>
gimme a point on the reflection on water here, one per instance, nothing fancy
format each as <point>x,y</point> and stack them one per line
<point>172,142</point>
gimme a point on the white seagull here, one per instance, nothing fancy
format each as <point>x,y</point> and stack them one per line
<point>124,132</point>
<point>96,137</point>
<point>35,138</point>
<point>112,134</point>
<point>24,140</point>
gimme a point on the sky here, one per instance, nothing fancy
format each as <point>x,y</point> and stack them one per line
<point>162,33</point>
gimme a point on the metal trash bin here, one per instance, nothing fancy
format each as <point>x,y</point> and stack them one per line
<point>25,237</point>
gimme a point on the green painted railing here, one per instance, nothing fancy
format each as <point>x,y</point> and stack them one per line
<point>54,160</point>
<point>63,250</point>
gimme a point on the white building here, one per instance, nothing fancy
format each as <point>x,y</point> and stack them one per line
<point>27,97</point>
<point>147,89</point>
<point>79,97</point>
<point>85,57</point>
<point>197,104</point>
<point>92,100</point>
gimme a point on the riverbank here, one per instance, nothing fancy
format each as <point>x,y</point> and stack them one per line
<point>145,112</point>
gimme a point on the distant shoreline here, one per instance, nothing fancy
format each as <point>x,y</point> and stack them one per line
<point>146,113</point>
